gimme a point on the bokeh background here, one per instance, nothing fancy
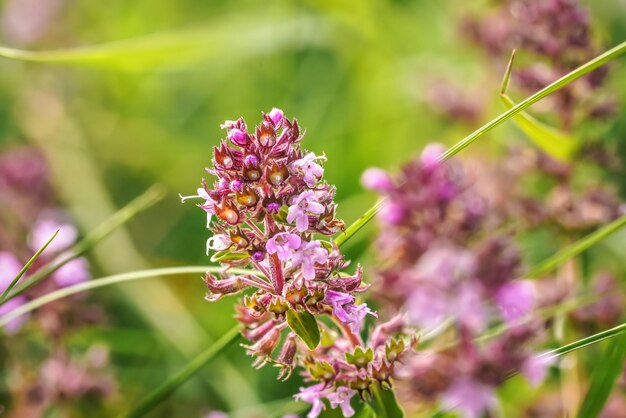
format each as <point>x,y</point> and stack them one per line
<point>135,94</point>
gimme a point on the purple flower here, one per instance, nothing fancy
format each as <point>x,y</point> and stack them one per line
<point>312,171</point>
<point>427,306</point>
<point>468,306</point>
<point>208,206</point>
<point>515,299</point>
<point>535,368</point>
<point>430,156</point>
<point>313,395</point>
<point>238,137</point>
<point>307,255</point>
<point>376,179</point>
<point>76,271</point>
<point>283,244</point>
<point>9,268</point>
<point>15,324</point>
<point>341,398</point>
<point>43,231</point>
<point>276,115</point>
<point>345,310</point>
<point>305,203</point>
<point>392,213</point>
<point>469,397</point>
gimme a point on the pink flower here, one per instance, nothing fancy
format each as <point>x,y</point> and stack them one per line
<point>283,244</point>
<point>276,115</point>
<point>307,255</point>
<point>313,395</point>
<point>238,137</point>
<point>10,266</point>
<point>341,398</point>
<point>427,306</point>
<point>469,397</point>
<point>345,310</point>
<point>515,299</point>
<point>43,231</point>
<point>535,368</point>
<point>15,324</point>
<point>305,203</point>
<point>76,271</point>
<point>376,179</point>
<point>312,171</point>
<point>430,155</point>
<point>208,206</point>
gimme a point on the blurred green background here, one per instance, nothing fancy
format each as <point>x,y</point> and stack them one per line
<point>144,106</point>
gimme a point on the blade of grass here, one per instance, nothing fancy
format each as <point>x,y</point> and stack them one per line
<point>140,203</point>
<point>468,140</point>
<point>163,391</point>
<point>576,248</point>
<point>3,297</point>
<point>605,373</point>
<point>176,48</point>
<point>584,342</point>
<point>107,281</point>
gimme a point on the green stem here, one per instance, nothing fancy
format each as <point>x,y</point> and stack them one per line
<point>465,142</point>
<point>576,345</point>
<point>167,388</point>
<point>17,278</point>
<point>106,281</point>
<point>140,203</point>
<point>576,248</point>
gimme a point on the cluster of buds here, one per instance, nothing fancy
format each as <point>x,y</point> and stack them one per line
<point>440,269</point>
<point>264,210</point>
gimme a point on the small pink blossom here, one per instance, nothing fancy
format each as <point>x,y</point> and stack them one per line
<point>10,266</point>
<point>44,229</point>
<point>307,255</point>
<point>312,171</point>
<point>305,203</point>
<point>238,137</point>
<point>376,179</point>
<point>218,242</point>
<point>10,305</point>
<point>74,272</point>
<point>283,244</point>
<point>346,311</point>
<point>313,395</point>
<point>469,397</point>
<point>516,299</point>
<point>535,368</point>
<point>341,398</point>
<point>430,155</point>
<point>276,115</point>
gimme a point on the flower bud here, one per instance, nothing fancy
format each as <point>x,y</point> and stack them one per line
<point>276,174</point>
<point>360,358</point>
<point>247,197</point>
<point>236,185</point>
<point>222,157</point>
<point>227,213</point>
<point>276,115</point>
<point>266,134</point>
<point>238,137</point>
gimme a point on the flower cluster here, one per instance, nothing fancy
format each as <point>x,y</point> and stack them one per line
<point>557,33</point>
<point>267,204</point>
<point>440,269</point>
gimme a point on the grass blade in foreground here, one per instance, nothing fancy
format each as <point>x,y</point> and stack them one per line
<point>604,376</point>
<point>140,203</point>
<point>576,248</point>
<point>25,268</point>
<point>106,281</point>
<point>576,345</point>
<point>167,388</point>
<point>468,140</point>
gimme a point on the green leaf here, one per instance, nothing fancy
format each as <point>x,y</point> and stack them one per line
<point>384,403</point>
<point>552,141</point>
<point>605,372</point>
<point>305,326</point>
<point>17,278</point>
<point>227,255</point>
<point>576,248</point>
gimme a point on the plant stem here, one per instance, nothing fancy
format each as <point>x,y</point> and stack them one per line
<point>584,342</point>
<point>167,388</point>
<point>106,281</point>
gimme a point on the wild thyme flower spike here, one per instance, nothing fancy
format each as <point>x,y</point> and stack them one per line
<point>265,207</point>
